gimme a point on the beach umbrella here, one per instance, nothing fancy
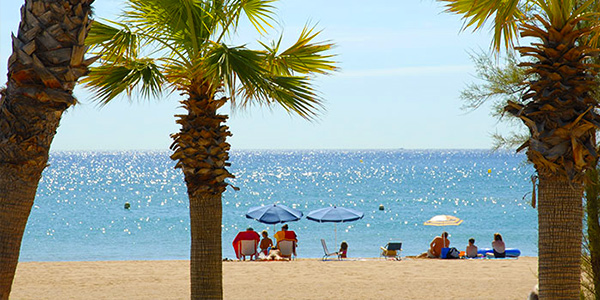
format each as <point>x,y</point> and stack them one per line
<point>334,214</point>
<point>443,220</point>
<point>273,214</point>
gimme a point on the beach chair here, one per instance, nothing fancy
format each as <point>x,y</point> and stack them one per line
<point>287,249</point>
<point>327,253</point>
<point>392,250</point>
<point>248,248</point>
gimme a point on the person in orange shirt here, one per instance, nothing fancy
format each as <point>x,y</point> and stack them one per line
<point>285,234</point>
<point>439,242</point>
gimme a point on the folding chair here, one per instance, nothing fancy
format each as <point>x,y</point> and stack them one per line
<point>287,249</point>
<point>392,250</point>
<point>327,253</point>
<point>248,248</point>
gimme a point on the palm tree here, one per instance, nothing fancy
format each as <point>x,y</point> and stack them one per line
<point>47,60</point>
<point>559,111</point>
<point>187,53</point>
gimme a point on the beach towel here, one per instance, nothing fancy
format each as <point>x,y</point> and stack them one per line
<point>244,235</point>
<point>285,235</point>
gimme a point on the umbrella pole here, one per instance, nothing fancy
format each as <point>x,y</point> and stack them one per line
<point>335,233</point>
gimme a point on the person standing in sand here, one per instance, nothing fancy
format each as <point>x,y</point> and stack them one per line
<point>471,249</point>
<point>435,247</point>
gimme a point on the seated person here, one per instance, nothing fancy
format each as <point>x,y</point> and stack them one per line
<point>435,247</point>
<point>265,243</point>
<point>285,234</point>
<point>274,254</point>
<point>249,234</point>
<point>498,246</point>
<point>471,249</point>
<point>343,250</point>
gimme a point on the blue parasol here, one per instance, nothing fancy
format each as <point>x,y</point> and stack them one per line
<point>273,214</point>
<point>334,214</point>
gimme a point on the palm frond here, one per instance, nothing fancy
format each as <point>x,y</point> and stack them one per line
<point>224,65</point>
<point>559,12</point>
<point>185,24</point>
<point>303,57</point>
<point>259,13</point>
<point>296,95</point>
<point>113,42</point>
<point>477,12</point>
<point>241,72</point>
<point>184,37</point>
<point>110,80</point>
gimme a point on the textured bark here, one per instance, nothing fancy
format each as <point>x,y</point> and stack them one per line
<point>206,272</point>
<point>560,213</point>
<point>16,199</point>
<point>47,60</point>
<point>202,153</point>
<point>592,190</point>
<point>559,111</point>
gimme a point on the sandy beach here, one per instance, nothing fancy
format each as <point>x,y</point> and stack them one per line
<point>301,279</point>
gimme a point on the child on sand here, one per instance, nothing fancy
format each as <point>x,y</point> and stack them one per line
<point>343,250</point>
<point>471,249</point>
<point>265,243</point>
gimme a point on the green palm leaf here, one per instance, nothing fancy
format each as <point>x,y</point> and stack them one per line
<point>187,24</point>
<point>259,12</point>
<point>296,95</point>
<point>242,73</point>
<point>182,47</point>
<point>302,57</point>
<point>109,81</point>
<point>476,13</point>
<point>114,42</point>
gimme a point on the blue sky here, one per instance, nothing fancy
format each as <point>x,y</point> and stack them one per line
<point>402,67</point>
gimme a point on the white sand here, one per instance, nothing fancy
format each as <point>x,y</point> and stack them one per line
<point>300,279</point>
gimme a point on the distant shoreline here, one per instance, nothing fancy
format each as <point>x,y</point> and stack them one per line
<point>295,150</point>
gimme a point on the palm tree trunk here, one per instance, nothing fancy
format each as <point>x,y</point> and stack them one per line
<point>16,199</point>
<point>46,62</point>
<point>205,262</point>
<point>593,229</point>
<point>560,213</point>
<point>202,153</point>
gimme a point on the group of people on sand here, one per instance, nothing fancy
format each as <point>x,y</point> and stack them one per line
<point>442,241</point>
<point>268,250</point>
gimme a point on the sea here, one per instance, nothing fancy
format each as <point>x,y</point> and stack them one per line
<point>79,213</point>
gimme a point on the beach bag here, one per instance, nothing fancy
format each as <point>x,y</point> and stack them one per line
<point>453,253</point>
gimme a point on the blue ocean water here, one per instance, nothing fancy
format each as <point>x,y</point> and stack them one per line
<point>78,213</point>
